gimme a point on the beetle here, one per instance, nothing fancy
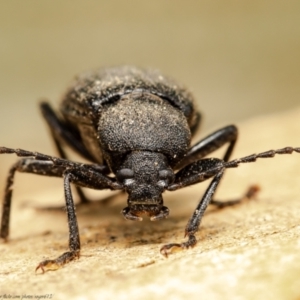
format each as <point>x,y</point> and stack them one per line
<point>135,127</point>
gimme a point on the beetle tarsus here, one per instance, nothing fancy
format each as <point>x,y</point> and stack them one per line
<point>54,264</point>
<point>171,248</point>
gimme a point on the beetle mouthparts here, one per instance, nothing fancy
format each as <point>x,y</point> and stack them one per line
<point>153,211</point>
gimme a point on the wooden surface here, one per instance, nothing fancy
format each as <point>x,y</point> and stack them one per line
<point>250,251</point>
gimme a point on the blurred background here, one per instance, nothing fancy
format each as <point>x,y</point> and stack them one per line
<point>239,58</point>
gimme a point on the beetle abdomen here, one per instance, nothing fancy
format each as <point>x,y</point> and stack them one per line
<point>144,122</point>
<point>93,89</point>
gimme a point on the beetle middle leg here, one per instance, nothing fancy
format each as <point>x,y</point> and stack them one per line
<point>208,145</point>
<point>24,165</point>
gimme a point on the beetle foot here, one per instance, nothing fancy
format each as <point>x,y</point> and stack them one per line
<point>174,247</point>
<point>54,264</point>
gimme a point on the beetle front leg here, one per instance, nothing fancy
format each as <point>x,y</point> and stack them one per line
<point>74,240</point>
<point>194,222</point>
<point>194,173</point>
<point>84,178</point>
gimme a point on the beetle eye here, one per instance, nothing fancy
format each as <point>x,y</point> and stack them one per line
<point>166,175</point>
<point>124,174</point>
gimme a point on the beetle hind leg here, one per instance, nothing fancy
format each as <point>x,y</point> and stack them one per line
<point>250,194</point>
<point>61,132</point>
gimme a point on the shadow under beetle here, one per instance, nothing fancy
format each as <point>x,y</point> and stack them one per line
<point>135,126</point>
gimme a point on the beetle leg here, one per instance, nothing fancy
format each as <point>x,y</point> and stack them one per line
<point>205,169</point>
<point>211,143</point>
<point>85,178</point>
<point>250,194</point>
<point>80,174</point>
<point>74,240</point>
<point>194,222</point>
<point>61,132</point>
<point>28,165</point>
<point>41,164</point>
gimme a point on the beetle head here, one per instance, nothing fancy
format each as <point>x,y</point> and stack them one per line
<point>145,175</point>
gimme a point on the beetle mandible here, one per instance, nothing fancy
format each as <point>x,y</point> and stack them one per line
<point>135,126</point>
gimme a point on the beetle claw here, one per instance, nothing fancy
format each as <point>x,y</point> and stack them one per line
<point>54,264</point>
<point>171,248</point>
<point>47,265</point>
<point>174,247</point>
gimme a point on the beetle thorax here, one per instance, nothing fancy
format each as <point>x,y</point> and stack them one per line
<point>143,122</point>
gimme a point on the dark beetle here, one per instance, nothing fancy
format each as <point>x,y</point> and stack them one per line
<point>137,125</point>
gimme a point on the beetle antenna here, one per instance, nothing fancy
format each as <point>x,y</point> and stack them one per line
<point>267,154</point>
